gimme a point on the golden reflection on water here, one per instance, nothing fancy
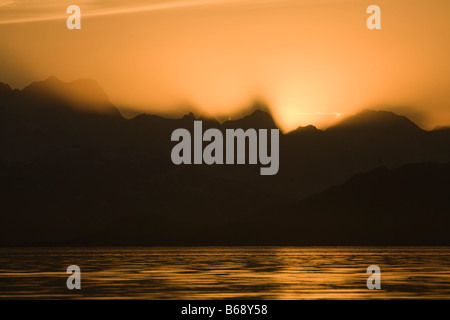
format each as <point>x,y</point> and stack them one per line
<point>282,273</point>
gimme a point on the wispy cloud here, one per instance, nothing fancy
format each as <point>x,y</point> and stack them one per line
<point>24,11</point>
<point>336,114</point>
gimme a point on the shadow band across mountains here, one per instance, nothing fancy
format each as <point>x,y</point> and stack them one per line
<point>75,172</point>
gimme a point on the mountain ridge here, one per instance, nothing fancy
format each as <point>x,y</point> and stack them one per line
<point>84,95</point>
<point>112,180</point>
<point>259,113</point>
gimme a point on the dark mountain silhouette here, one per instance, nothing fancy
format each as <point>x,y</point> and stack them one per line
<point>441,128</point>
<point>405,206</point>
<point>84,95</point>
<point>6,93</point>
<point>74,171</point>
<point>375,121</point>
<point>306,131</point>
<point>257,120</point>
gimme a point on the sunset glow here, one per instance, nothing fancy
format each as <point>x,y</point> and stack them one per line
<point>309,61</point>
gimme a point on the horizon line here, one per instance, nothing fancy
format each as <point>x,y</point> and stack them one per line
<point>259,103</point>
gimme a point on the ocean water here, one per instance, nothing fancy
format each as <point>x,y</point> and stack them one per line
<point>282,273</point>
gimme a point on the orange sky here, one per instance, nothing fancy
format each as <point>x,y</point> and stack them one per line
<point>310,60</point>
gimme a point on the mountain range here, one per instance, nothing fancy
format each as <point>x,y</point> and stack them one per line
<point>76,172</point>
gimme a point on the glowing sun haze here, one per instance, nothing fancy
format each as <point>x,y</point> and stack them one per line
<point>310,61</point>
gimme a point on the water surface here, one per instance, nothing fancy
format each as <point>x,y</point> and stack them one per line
<point>226,273</point>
